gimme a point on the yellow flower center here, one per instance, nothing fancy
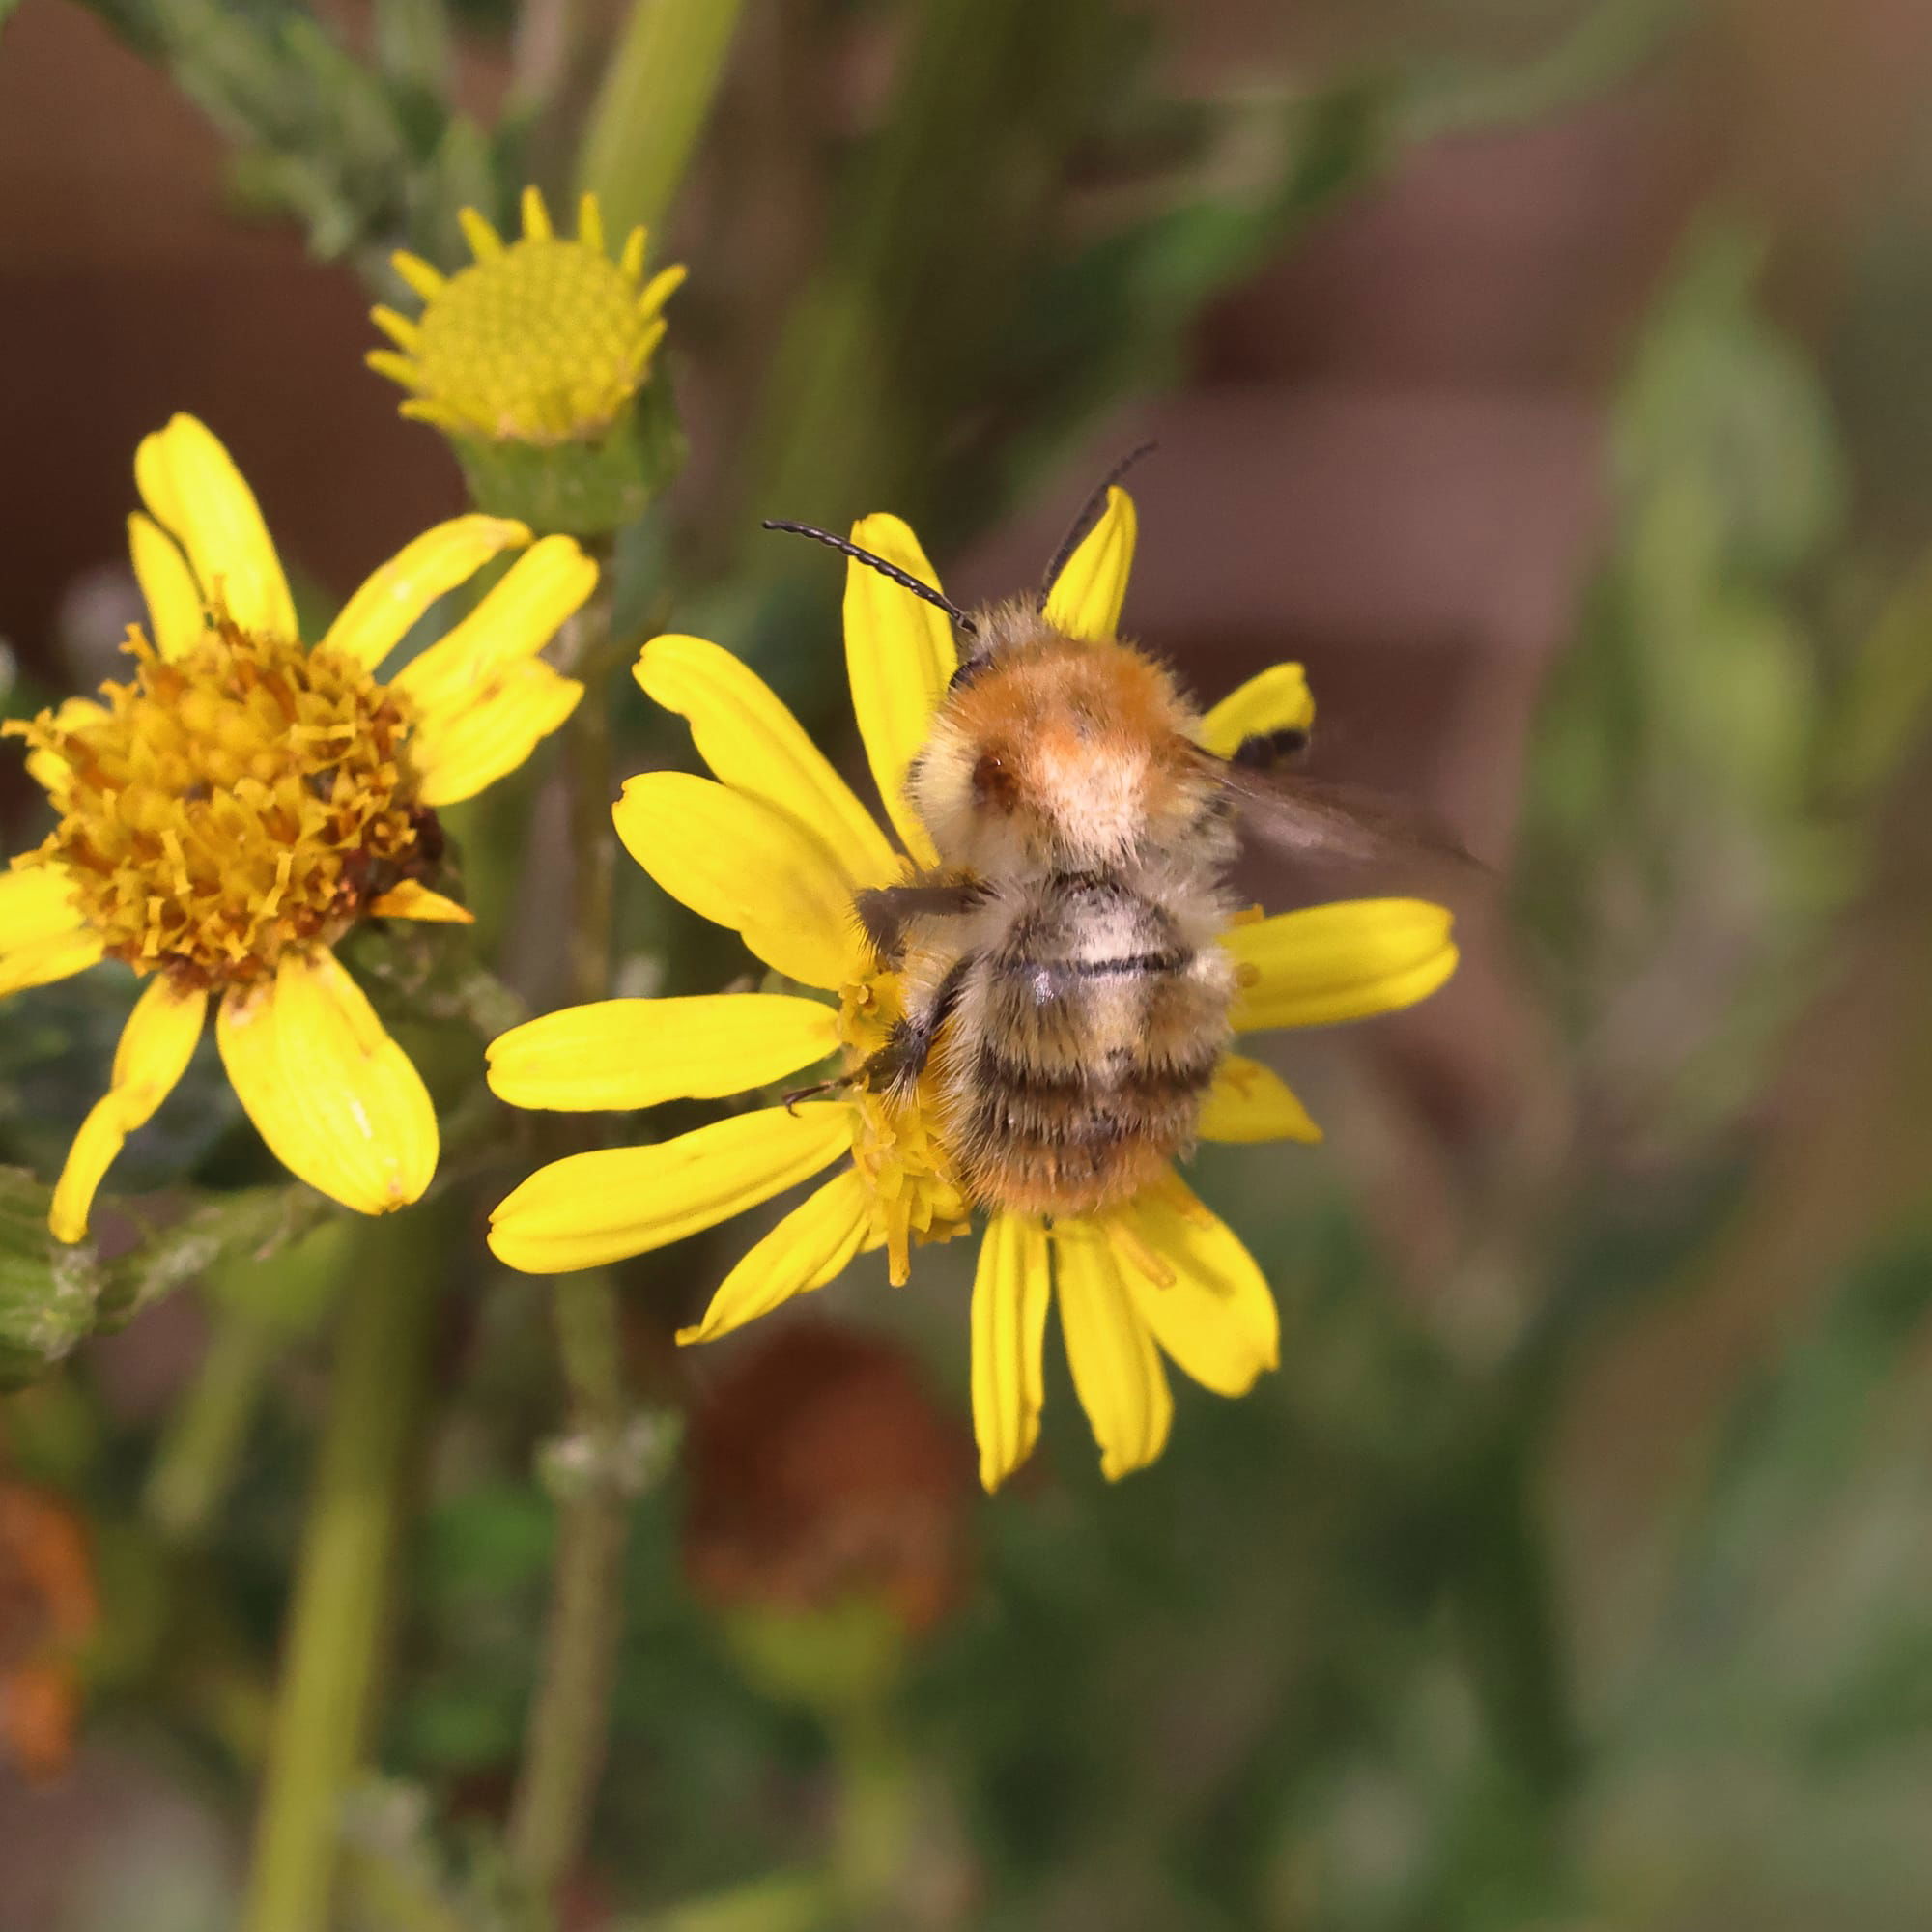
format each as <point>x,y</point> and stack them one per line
<point>895,1147</point>
<point>244,798</point>
<point>541,343</point>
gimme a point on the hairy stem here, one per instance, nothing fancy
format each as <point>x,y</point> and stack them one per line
<point>564,1750</point>
<point>342,1582</point>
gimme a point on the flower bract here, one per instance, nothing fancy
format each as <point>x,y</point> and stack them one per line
<point>776,846</point>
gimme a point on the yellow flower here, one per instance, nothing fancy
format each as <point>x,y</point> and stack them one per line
<point>230,811</point>
<point>541,340</point>
<point>776,850</point>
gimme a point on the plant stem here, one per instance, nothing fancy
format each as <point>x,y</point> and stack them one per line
<point>335,1621</point>
<point>657,92</point>
<point>563,1755</point>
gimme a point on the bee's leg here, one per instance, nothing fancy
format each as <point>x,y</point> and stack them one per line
<point>819,1087</point>
<point>896,1068</point>
<point>885,911</point>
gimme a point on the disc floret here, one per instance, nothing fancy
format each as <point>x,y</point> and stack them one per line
<point>242,799</point>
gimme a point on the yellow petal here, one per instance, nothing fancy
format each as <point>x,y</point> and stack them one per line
<point>590,1208</point>
<point>1275,700</point>
<point>156,1046</point>
<point>460,749</point>
<point>427,280</point>
<point>374,620</point>
<point>515,621</point>
<point>190,484</point>
<point>334,1095</point>
<point>1011,1291</point>
<point>536,217</point>
<point>660,289</point>
<point>754,744</point>
<point>1216,1318</point>
<point>638,1053</point>
<point>483,239</point>
<point>811,1246</point>
<point>740,864</point>
<point>1341,962</point>
<point>900,656</point>
<point>35,903</point>
<point>410,901</point>
<point>590,223</point>
<point>176,615</point>
<point>1251,1102</point>
<point>398,327</point>
<point>1085,597</point>
<point>1117,1371</point>
<point>43,937</point>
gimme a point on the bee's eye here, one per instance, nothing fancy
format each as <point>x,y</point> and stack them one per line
<point>993,786</point>
<point>969,668</point>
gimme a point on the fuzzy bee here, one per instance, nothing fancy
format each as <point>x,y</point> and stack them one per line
<point>1060,967</point>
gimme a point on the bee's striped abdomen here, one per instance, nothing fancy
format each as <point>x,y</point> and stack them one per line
<point>1083,1046</point>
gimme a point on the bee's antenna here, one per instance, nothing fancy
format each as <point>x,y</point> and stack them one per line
<point>904,579</point>
<point>1089,510</point>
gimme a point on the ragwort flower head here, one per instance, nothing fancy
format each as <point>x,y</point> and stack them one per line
<point>541,340</point>
<point>778,848</point>
<point>234,809</point>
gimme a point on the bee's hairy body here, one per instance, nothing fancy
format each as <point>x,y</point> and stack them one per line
<point>1061,968</point>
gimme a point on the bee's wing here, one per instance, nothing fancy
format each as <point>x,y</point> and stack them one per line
<point>1336,823</point>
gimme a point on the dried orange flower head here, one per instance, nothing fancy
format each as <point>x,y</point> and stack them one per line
<point>47,1613</point>
<point>821,1470</point>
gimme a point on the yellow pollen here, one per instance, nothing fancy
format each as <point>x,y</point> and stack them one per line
<point>896,1146</point>
<point>541,340</point>
<point>225,805</point>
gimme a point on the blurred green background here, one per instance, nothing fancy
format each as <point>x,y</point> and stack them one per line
<point>1552,379</point>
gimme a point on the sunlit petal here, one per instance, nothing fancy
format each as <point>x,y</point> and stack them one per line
<point>377,617</point>
<point>42,936</point>
<point>1117,1369</point>
<point>460,749</point>
<point>176,618</point>
<point>157,1045</point>
<point>589,1209</point>
<point>193,490</point>
<point>1085,599</point>
<point>1275,700</point>
<point>742,865</point>
<point>1251,1102</point>
<point>1340,962</point>
<point>900,656</point>
<point>811,1246</point>
<point>332,1094</point>
<point>37,902</point>
<point>1216,1318</point>
<point>638,1053</point>
<point>517,619</point>
<point>1011,1289</point>
<point>754,744</point>
<point>411,900</point>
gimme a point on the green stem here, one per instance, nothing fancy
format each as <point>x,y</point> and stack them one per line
<point>875,1814</point>
<point>563,1756</point>
<point>342,1585</point>
<point>202,1446</point>
<point>652,106</point>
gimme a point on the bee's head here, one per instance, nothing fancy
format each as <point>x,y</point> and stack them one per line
<point>1059,755</point>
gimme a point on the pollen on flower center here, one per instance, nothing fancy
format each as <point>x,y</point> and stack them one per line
<point>896,1146</point>
<point>244,798</point>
